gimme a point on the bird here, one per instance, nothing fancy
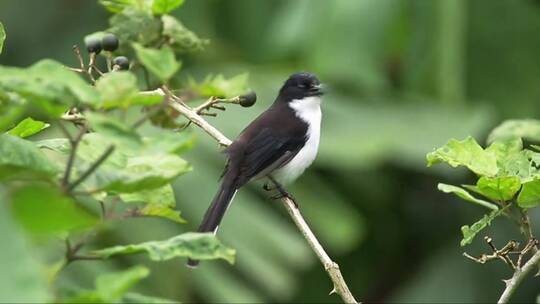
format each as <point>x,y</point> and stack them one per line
<point>281,143</point>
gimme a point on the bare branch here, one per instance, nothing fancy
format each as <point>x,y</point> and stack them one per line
<point>519,275</point>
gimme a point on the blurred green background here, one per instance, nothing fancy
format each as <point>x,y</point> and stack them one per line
<point>404,77</point>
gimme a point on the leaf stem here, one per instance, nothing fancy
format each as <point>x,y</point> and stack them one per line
<point>92,168</point>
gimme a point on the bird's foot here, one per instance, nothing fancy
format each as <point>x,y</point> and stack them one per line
<point>284,194</point>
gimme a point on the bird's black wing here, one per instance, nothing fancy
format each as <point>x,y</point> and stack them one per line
<point>266,151</point>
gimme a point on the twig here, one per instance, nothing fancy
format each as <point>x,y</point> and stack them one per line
<point>74,142</point>
<point>92,168</point>
<point>332,268</point>
<point>519,275</point>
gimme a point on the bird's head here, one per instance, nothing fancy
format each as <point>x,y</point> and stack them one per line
<point>301,85</point>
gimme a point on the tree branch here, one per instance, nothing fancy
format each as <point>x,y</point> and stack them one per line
<point>519,275</point>
<point>332,268</point>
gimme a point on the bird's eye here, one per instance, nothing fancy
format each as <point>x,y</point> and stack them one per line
<point>301,85</point>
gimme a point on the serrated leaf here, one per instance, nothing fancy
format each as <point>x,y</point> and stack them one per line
<point>219,86</point>
<point>469,232</point>
<point>28,127</point>
<point>2,37</point>
<point>160,7</point>
<point>43,209</point>
<point>466,153</point>
<point>19,156</point>
<point>160,62</point>
<point>523,128</point>
<point>462,193</point>
<point>498,188</point>
<point>200,246</point>
<point>529,196</point>
<point>181,39</point>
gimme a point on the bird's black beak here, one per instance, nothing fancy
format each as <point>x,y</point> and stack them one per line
<point>317,90</point>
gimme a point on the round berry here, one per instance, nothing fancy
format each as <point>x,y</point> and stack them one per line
<point>109,42</point>
<point>247,100</point>
<point>122,62</point>
<point>93,45</point>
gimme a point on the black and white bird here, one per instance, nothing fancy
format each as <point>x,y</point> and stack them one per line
<point>281,143</point>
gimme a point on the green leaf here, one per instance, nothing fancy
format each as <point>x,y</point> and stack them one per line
<point>469,232</point>
<point>22,279</point>
<point>119,90</point>
<point>48,86</point>
<point>160,202</point>
<point>160,62</point>
<point>55,144</point>
<point>160,7</point>
<point>2,36</point>
<point>136,298</point>
<point>498,188</point>
<point>219,86</point>
<point>113,128</point>
<point>200,246</point>
<point>112,286</point>
<point>19,156</point>
<point>28,127</point>
<point>162,211</point>
<point>42,209</point>
<point>462,193</point>
<point>525,128</point>
<point>116,6</point>
<point>466,153</point>
<point>529,196</point>
<point>169,142</point>
<point>135,24</point>
<point>181,39</point>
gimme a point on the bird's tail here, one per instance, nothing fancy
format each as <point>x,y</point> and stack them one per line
<point>215,212</point>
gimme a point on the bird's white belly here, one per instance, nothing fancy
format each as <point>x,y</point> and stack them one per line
<point>309,110</point>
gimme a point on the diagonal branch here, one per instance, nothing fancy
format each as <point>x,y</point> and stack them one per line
<point>332,268</point>
<point>519,275</point>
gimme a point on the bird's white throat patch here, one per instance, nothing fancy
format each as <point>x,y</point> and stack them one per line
<point>309,110</point>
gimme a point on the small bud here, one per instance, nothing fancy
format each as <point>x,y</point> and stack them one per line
<point>249,99</point>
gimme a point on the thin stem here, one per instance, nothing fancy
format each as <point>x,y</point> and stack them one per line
<point>74,142</point>
<point>92,168</point>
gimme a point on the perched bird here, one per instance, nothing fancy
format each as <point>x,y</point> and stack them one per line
<point>281,143</point>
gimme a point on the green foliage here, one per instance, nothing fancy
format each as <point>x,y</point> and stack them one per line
<point>119,90</point>
<point>20,156</point>
<point>462,193</point>
<point>180,38</point>
<point>200,246</point>
<point>42,210</point>
<point>529,196</point>
<point>160,62</point>
<point>220,86</point>
<point>505,169</point>
<point>22,278</point>
<point>28,127</point>
<point>111,287</point>
<point>2,37</point>
<point>160,7</point>
<point>466,153</point>
<point>469,232</point>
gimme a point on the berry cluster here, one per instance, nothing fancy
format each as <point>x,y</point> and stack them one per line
<point>109,42</point>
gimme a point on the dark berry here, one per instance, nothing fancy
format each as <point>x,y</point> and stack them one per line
<point>93,45</point>
<point>122,62</point>
<point>109,42</point>
<point>247,100</point>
